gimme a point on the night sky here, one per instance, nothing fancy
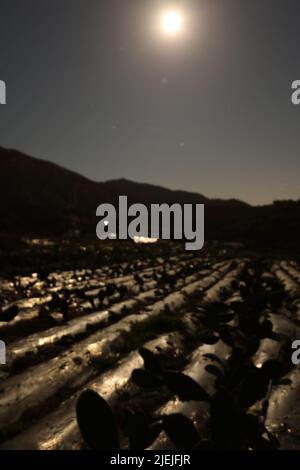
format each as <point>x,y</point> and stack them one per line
<point>98,87</point>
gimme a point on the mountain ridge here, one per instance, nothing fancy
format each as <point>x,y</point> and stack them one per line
<point>41,197</point>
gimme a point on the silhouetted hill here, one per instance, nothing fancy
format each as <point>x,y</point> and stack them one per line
<point>38,194</point>
<point>39,197</point>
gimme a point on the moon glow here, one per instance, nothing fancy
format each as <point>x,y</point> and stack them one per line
<point>172,22</point>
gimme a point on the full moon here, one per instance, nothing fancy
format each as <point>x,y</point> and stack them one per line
<point>172,22</point>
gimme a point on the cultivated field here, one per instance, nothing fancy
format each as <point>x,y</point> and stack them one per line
<point>184,352</point>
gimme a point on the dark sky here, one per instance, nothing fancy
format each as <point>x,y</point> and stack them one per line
<point>95,86</point>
